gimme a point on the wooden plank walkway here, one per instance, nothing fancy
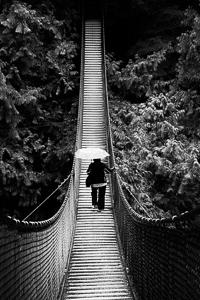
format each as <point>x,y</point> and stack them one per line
<point>96,271</point>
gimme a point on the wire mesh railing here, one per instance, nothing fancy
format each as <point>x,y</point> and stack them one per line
<point>33,255</point>
<point>163,261</point>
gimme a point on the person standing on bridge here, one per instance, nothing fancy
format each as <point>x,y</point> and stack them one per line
<point>97,170</point>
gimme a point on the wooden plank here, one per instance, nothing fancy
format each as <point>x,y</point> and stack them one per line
<point>96,270</point>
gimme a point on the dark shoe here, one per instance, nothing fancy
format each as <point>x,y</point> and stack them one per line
<point>100,209</point>
<point>94,206</point>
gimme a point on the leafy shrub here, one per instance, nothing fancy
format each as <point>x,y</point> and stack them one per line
<point>188,69</point>
<point>157,142</point>
<point>154,157</point>
<point>138,78</point>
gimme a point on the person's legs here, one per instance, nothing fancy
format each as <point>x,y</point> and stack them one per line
<point>101,198</point>
<point>94,196</point>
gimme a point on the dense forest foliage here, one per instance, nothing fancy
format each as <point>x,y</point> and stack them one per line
<point>153,62</point>
<point>155,109</point>
<point>39,82</point>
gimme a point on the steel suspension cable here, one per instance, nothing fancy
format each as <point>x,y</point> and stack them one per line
<point>131,194</point>
<point>47,198</point>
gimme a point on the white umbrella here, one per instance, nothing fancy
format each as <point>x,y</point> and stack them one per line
<point>91,153</point>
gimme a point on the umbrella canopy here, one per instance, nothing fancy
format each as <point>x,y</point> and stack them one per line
<point>91,153</point>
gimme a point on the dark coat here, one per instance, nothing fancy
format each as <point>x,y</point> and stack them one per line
<point>97,171</point>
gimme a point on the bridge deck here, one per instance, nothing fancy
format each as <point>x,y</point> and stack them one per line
<point>96,271</point>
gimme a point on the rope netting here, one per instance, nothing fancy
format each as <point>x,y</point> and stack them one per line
<point>162,259</point>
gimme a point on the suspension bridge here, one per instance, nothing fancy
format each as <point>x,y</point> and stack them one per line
<point>82,254</point>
